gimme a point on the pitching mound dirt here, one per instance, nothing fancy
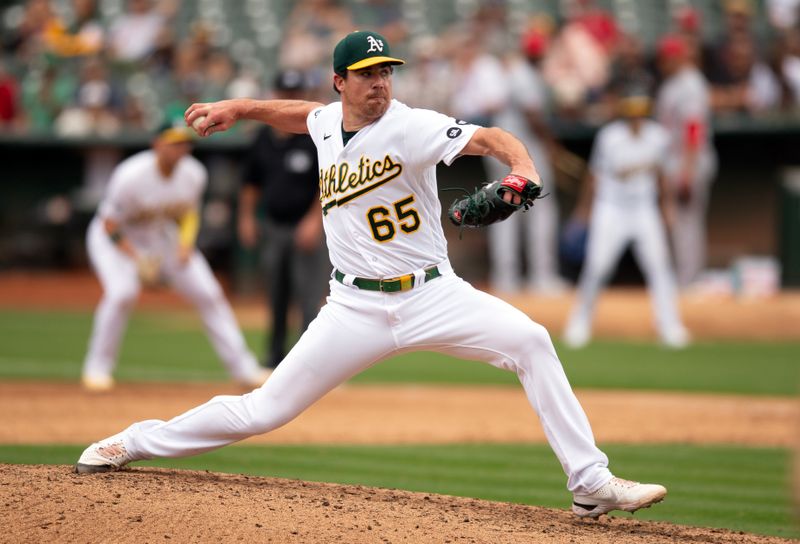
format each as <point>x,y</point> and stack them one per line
<point>51,504</point>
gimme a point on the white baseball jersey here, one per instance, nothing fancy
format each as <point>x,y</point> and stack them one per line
<point>527,91</point>
<point>147,205</point>
<point>684,97</point>
<point>480,89</point>
<point>397,230</point>
<point>626,165</point>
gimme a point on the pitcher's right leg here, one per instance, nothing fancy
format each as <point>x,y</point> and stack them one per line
<point>347,337</point>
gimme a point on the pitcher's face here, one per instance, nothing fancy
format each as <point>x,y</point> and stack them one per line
<point>367,91</point>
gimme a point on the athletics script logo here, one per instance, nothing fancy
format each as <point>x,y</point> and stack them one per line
<point>374,44</point>
<point>342,183</point>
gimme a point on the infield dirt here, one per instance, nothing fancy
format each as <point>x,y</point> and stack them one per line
<point>51,504</point>
<point>62,413</point>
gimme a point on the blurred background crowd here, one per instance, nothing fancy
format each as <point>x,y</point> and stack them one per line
<point>85,82</point>
<point>75,67</point>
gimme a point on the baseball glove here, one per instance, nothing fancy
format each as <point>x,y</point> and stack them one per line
<point>487,205</point>
<point>149,270</point>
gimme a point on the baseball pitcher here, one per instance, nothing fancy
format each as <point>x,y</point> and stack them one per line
<point>392,289</point>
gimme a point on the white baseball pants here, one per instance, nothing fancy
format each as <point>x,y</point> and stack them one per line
<point>357,329</point>
<point>689,233</point>
<point>121,286</point>
<point>612,227</point>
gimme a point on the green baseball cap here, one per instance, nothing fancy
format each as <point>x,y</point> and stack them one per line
<point>361,49</point>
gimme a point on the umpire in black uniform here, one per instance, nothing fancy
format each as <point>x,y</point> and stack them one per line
<point>279,205</point>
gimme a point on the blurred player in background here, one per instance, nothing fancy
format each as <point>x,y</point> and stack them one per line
<point>683,107</point>
<point>622,189</point>
<point>524,115</point>
<point>143,235</point>
<point>281,175</point>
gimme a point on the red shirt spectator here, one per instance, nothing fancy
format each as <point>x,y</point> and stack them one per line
<point>601,26</point>
<point>9,97</point>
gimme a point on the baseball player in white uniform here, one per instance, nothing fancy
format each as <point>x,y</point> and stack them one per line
<point>393,289</point>
<point>144,235</point>
<point>626,166</point>
<point>683,107</point>
<point>522,115</point>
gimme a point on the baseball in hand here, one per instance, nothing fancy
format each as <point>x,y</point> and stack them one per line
<point>197,122</point>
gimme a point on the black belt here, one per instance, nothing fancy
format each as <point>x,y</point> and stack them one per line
<point>389,285</point>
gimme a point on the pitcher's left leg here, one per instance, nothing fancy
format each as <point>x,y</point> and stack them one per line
<point>450,316</point>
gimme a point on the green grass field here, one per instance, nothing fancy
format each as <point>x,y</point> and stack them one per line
<point>731,487</point>
<point>51,345</point>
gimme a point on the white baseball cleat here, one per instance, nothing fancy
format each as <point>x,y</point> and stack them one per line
<point>617,494</point>
<point>105,456</point>
<point>551,286</point>
<point>97,384</point>
<point>577,336</point>
<point>678,338</point>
